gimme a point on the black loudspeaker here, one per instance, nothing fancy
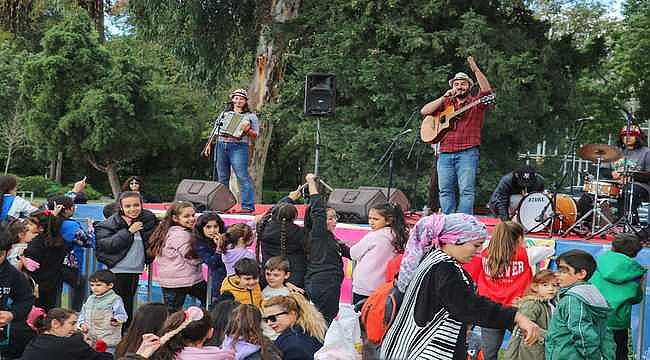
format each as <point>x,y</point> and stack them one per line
<point>396,196</point>
<point>352,205</point>
<point>205,195</point>
<point>320,94</point>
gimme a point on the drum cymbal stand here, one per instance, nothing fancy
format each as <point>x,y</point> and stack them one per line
<point>624,221</point>
<point>596,211</point>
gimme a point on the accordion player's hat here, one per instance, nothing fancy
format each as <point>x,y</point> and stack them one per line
<point>240,92</point>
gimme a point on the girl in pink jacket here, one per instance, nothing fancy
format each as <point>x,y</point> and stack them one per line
<point>179,267</point>
<point>375,250</point>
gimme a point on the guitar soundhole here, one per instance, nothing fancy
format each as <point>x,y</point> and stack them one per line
<point>443,119</point>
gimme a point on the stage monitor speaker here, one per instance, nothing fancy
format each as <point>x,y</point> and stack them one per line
<point>320,94</point>
<point>396,196</point>
<point>205,195</point>
<point>352,205</point>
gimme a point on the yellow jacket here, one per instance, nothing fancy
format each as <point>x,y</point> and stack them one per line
<point>242,295</point>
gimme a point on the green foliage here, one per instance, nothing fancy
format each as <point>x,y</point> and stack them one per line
<point>38,184</point>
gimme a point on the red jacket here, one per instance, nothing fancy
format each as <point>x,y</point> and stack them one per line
<point>504,290</point>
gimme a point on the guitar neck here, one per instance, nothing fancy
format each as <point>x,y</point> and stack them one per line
<point>465,108</point>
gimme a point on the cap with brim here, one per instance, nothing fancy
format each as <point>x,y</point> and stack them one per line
<point>239,92</point>
<point>461,76</point>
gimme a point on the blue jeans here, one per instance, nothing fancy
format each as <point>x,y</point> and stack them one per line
<point>457,168</point>
<point>235,154</point>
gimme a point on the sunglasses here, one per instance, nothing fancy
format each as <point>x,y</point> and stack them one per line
<point>630,133</point>
<point>274,317</point>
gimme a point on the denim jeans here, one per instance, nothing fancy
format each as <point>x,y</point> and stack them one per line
<point>457,168</point>
<point>491,340</point>
<point>174,298</point>
<point>235,154</point>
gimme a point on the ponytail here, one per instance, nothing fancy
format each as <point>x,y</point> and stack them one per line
<point>43,322</point>
<point>392,212</point>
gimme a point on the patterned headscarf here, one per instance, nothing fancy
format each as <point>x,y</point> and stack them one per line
<point>432,232</point>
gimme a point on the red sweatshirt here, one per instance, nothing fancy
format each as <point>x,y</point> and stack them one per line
<point>504,290</point>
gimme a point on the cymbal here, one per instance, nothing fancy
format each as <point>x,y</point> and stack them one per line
<point>605,152</point>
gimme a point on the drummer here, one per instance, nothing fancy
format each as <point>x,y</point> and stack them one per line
<point>636,155</point>
<point>522,181</point>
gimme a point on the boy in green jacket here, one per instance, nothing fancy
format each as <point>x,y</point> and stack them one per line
<point>618,277</point>
<point>578,329</point>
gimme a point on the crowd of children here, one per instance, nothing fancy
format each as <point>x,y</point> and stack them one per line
<point>444,276</point>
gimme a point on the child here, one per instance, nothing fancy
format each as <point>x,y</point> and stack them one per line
<point>618,277</point>
<point>534,305</point>
<point>278,235</point>
<point>48,249</point>
<point>121,242</point>
<point>20,236</point>
<point>300,326</point>
<point>16,300</point>
<point>277,272</point>
<point>578,329</point>
<point>103,313</point>
<point>188,344</point>
<point>502,273</point>
<point>205,240</point>
<point>77,239</point>
<point>373,252</point>
<point>244,335</point>
<point>245,284</point>
<point>179,268</point>
<point>58,339</point>
<point>325,267</point>
<point>234,245</point>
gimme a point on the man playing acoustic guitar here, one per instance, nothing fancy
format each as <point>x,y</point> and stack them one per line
<point>459,148</point>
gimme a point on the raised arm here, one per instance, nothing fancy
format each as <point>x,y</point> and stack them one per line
<point>483,82</point>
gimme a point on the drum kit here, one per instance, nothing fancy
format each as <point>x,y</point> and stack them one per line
<point>557,213</point>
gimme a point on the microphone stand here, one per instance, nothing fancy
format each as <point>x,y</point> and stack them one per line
<point>390,153</point>
<point>216,130</point>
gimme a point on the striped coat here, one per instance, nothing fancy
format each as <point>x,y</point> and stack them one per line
<point>439,304</point>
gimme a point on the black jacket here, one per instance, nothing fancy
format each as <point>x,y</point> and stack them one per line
<point>61,348</point>
<point>500,199</point>
<point>295,248</point>
<point>296,345</point>
<point>114,239</point>
<point>15,286</point>
<point>325,251</point>
<point>49,274</point>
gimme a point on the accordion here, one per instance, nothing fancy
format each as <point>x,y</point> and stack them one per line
<point>232,125</point>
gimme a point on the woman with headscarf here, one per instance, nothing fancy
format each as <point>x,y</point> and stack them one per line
<point>440,302</point>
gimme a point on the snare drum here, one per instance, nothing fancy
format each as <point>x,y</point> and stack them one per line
<point>534,212</point>
<point>606,188</point>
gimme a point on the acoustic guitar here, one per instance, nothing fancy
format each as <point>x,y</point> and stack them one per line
<point>434,127</point>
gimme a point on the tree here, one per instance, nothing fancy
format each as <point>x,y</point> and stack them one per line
<point>14,138</point>
<point>101,105</point>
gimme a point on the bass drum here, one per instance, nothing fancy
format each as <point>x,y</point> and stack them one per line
<point>535,209</point>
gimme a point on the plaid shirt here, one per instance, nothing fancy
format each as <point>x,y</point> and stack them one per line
<point>466,132</point>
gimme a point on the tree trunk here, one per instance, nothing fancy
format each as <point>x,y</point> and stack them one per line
<point>267,78</point>
<point>52,170</point>
<point>111,171</point>
<point>59,167</point>
<point>113,179</point>
<point>9,151</point>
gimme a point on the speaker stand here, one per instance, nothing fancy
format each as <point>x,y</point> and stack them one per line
<point>317,156</point>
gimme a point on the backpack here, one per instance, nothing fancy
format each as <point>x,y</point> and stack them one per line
<point>379,311</point>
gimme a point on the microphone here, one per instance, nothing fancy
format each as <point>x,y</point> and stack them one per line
<point>588,118</point>
<point>405,132</point>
